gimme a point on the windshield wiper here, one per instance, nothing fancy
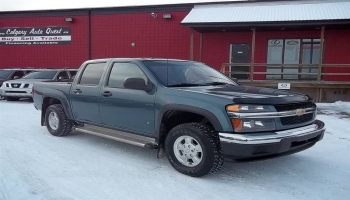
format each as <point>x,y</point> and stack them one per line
<point>185,85</point>
<point>218,83</point>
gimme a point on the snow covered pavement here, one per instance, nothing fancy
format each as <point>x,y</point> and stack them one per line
<point>37,166</point>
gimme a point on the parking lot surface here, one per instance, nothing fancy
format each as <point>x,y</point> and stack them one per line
<point>35,165</point>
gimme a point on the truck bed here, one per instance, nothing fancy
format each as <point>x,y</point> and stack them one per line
<point>53,88</point>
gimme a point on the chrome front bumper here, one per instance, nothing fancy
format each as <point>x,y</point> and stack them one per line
<point>274,144</point>
<point>16,92</point>
<point>274,137</point>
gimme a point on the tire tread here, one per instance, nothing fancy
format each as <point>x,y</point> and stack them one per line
<point>66,123</point>
<point>214,141</point>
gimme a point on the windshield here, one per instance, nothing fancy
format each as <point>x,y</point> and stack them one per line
<point>41,75</point>
<point>184,73</point>
<point>4,74</point>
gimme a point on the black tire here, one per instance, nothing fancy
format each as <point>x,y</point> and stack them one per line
<point>12,98</point>
<point>212,158</point>
<point>64,124</point>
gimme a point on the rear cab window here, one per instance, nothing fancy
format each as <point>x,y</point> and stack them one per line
<point>92,74</point>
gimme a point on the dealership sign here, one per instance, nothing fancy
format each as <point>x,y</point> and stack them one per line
<point>35,36</point>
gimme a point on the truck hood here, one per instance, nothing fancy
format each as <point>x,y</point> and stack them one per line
<point>27,80</point>
<point>250,95</point>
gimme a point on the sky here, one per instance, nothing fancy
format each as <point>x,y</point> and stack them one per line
<point>17,5</point>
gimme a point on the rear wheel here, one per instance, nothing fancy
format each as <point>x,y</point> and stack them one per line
<point>194,149</point>
<point>56,121</point>
<point>12,98</point>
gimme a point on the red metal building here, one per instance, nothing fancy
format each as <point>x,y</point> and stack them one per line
<point>261,43</point>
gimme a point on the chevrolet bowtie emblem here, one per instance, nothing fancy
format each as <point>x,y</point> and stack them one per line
<point>300,112</point>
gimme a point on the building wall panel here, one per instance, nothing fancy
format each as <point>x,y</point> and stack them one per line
<point>46,56</point>
<point>112,35</point>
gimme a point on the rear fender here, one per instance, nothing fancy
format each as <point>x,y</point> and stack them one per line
<point>63,100</point>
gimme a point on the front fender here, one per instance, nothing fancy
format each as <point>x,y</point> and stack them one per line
<point>219,125</point>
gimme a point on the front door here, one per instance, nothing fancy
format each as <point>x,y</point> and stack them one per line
<point>127,109</point>
<point>239,54</point>
<point>85,94</point>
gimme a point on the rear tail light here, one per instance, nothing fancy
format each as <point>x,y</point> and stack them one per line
<point>33,91</point>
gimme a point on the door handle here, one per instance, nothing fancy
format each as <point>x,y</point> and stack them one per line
<point>77,91</point>
<point>106,94</point>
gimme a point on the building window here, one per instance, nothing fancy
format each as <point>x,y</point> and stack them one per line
<point>293,52</point>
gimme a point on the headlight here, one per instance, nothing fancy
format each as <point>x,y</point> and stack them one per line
<point>253,125</point>
<point>4,84</point>
<point>247,108</point>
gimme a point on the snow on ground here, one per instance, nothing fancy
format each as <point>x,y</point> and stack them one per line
<point>37,166</point>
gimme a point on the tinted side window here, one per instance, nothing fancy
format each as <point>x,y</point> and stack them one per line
<point>20,74</point>
<point>62,75</point>
<point>92,74</point>
<point>73,73</point>
<point>121,71</point>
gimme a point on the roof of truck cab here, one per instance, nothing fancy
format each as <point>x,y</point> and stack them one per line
<point>140,59</point>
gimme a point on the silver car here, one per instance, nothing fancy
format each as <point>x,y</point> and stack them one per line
<point>13,90</point>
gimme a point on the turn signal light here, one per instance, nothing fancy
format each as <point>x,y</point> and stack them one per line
<point>237,124</point>
<point>233,108</point>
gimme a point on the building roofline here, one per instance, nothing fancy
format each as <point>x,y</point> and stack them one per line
<point>131,7</point>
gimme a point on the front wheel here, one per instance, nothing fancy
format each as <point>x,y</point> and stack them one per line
<point>194,149</point>
<point>56,121</point>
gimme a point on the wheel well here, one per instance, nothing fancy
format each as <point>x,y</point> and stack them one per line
<point>173,118</point>
<point>47,101</point>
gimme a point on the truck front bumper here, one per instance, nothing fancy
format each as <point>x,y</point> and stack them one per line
<point>16,92</point>
<point>260,145</point>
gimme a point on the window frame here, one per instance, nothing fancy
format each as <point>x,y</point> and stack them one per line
<point>82,73</point>
<point>17,71</point>
<point>70,73</point>
<point>300,53</point>
<point>108,75</point>
<point>58,75</point>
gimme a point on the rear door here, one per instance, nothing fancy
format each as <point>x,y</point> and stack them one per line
<point>127,109</point>
<point>84,93</point>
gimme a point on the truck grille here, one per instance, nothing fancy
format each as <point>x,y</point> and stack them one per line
<point>292,120</point>
<point>294,106</point>
<point>15,85</point>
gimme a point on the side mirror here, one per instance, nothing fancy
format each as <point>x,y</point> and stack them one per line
<point>137,84</point>
<point>16,77</point>
<point>234,80</point>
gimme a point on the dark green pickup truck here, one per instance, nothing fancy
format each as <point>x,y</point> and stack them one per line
<point>193,114</point>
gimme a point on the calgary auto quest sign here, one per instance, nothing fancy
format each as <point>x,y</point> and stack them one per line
<point>35,36</point>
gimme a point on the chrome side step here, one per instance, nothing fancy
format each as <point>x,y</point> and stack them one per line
<point>120,136</point>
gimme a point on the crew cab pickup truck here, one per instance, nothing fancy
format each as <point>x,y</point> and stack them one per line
<point>193,114</point>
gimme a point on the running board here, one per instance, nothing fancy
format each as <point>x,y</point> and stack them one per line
<point>120,136</point>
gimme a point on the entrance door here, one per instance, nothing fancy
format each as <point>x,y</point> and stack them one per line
<point>239,53</point>
<point>310,55</point>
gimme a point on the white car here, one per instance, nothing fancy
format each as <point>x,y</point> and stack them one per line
<point>13,90</point>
